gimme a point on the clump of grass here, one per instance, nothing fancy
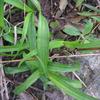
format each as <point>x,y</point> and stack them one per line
<point>36,41</point>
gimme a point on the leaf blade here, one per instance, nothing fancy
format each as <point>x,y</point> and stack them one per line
<point>69,89</point>
<point>88,27</point>
<point>71,30</point>
<point>19,4</point>
<point>1,13</point>
<point>57,67</point>
<point>43,40</point>
<point>29,81</point>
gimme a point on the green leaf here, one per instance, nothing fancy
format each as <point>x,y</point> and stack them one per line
<point>71,30</point>
<point>86,13</point>
<point>19,4</point>
<point>91,44</point>
<point>1,13</point>
<point>12,48</point>
<point>73,83</point>
<point>42,67</point>
<point>29,81</point>
<point>37,4</point>
<point>32,64</point>
<point>9,38</point>
<point>71,44</point>
<point>92,8</point>
<point>79,2</point>
<point>32,34</point>
<point>56,44</point>
<point>29,30</point>
<point>68,89</point>
<point>97,18</point>
<point>28,56</point>
<point>88,27</point>
<point>15,70</point>
<point>26,26</point>
<point>43,40</point>
<point>57,67</point>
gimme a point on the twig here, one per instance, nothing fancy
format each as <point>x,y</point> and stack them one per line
<point>52,57</point>
<point>12,61</point>
<point>3,82</point>
<point>72,56</point>
<point>79,79</point>
<point>15,35</point>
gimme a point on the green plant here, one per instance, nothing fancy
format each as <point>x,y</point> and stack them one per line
<point>38,44</point>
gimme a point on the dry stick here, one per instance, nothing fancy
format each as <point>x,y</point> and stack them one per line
<point>53,57</point>
<point>12,61</point>
<point>3,82</point>
<point>79,79</point>
<point>72,56</point>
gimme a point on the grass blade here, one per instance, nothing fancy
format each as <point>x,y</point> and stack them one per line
<point>95,43</point>
<point>43,40</point>
<point>1,13</point>
<point>29,30</point>
<point>12,48</point>
<point>56,44</point>
<point>57,67</point>
<point>91,44</point>
<point>92,8</point>
<point>86,13</point>
<point>25,27</point>
<point>79,2</point>
<point>28,56</point>
<point>97,18</point>
<point>19,4</point>
<point>37,4</point>
<point>77,94</point>
<point>33,78</point>
<point>73,83</point>
<point>71,44</point>
<point>31,33</point>
<point>15,70</point>
<point>88,27</point>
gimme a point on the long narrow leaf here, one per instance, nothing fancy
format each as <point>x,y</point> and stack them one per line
<point>37,4</point>
<point>88,27</point>
<point>31,33</point>
<point>28,56</point>
<point>79,2</point>
<point>1,13</point>
<point>15,70</point>
<point>92,44</point>
<point>19,4</point>
<point>77,44</point>
<point>74,83</point>
<point>56,44</point>
<point>57,67</point>
<point>43,40</point>
<point>42,67</point>
<point>77,94</point>
<point>25,27</point>
<point>12,48</point>
<point>92,8</point>
<point>33,78</point>
<point>29,30</point>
